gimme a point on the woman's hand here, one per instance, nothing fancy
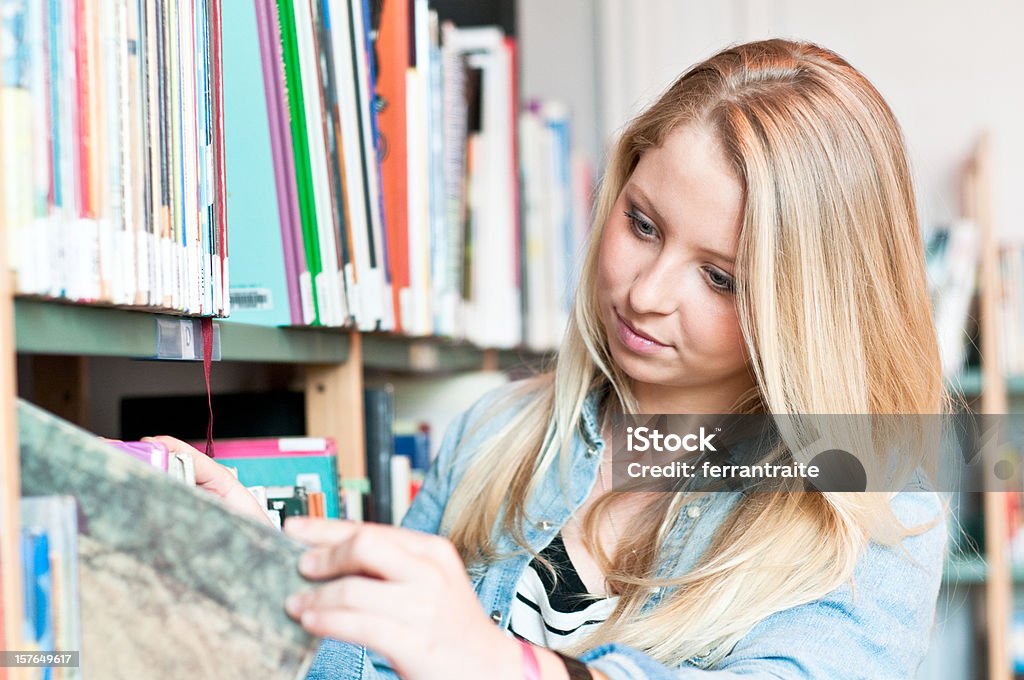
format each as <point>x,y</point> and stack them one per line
<point>403,594</point>
<point>217,479</point>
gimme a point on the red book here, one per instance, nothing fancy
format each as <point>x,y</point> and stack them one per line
<point>393,45</point>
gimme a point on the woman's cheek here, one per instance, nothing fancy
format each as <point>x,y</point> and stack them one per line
<point>717,329</point>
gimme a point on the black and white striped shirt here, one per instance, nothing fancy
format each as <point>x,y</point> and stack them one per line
<point>555,614</point>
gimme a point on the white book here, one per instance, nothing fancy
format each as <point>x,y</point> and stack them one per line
<point>326,283</point>
<point>401,481</point>
<point>376,296</point>
<point>419,205</point>
<point>358,276</point>
<point>495,304</point>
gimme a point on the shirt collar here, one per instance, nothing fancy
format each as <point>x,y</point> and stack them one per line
<point>589,418</point>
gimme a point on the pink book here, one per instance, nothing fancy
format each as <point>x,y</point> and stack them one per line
<point>281,146</point>
<point>271,447</point>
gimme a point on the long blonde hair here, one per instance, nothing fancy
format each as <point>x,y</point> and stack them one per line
<point>830,273</point>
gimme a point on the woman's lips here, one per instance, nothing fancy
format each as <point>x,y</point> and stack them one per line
<point>635,340</point>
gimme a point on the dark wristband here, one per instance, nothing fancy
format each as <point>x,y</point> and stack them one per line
<point>576,669</point>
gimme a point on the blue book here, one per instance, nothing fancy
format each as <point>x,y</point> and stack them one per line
<point>258,283</point>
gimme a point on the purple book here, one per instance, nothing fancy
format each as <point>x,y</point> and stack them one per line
<point>284,165</point>
<point>151,453</point>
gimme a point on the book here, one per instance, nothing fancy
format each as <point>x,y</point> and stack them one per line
<point>951,255</point>
<point>395,63</point>
<point>259,288</point>
<point>54,589</point>
<point>173,582</point>
<point>112,136</point>
<point>293,87</point>
<point>309,462</point>
<point>379,407</point>
<point>300,288</point>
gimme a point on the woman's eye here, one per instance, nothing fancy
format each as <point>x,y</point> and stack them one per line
<point>640,226</point>
<point>719,280</point>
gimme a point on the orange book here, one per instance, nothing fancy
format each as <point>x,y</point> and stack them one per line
<point>393,46</point>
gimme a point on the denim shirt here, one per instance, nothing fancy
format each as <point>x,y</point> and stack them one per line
<point>881,632</point>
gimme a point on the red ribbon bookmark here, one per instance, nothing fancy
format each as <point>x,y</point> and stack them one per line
<point>207,326</point>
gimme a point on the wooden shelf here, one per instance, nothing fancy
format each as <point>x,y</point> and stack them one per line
<point>964,570</point>
<point>50,327</point>
<point>385,352</point>
<point>973,571</point>
<point>43,327</point>
<point>968,383</point>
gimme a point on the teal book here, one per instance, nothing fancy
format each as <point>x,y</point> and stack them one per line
<point>310,462</point>
<point>173,583</point>
<point>259,286</point>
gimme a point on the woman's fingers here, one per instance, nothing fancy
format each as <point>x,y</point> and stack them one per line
<point>352,593</point>
<point>394,641</point>
<point>344,547</point>
<point>210,475</point>
<point>213,477</point>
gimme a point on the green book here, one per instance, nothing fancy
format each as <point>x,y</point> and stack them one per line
<point>300,145</point>
<point>173,583</point>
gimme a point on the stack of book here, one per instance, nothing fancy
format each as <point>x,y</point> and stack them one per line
<point>951,258</point>
<point>377,183</point>
<point>289,475</point>
<point>378,179</point>
<point>112,152</point>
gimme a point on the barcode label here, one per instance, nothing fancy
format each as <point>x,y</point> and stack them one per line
<point>250,298</point>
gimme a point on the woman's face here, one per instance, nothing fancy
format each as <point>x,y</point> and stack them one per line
<point>665,277</point>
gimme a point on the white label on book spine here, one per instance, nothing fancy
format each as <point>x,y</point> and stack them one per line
<point>252,299</point>
<point>323,297</point>
<point>306,290</point>
<point>302,444</point>
<point>183,339</point>
<point>352,290</point>
<point>309,480</point>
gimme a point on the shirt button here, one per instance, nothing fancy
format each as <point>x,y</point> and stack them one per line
<point>591,451</point>
<point>693,511</point>
<point>544,525</point>
<point>496,616</point>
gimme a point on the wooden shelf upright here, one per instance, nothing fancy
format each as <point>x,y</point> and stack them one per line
<point>998,582</point>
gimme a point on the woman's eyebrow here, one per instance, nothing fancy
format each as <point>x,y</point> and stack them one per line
<point>648,206</point>
<point>648,203</point>
<point>718,254</point>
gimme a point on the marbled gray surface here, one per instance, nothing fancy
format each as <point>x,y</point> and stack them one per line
<point>173,583</point>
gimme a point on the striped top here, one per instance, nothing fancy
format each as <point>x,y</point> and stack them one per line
<point>552,614</point>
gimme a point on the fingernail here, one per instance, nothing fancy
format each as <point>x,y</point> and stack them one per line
<point>308,562</point>
<point>292,524</point>
<point>293,605</point>
<point>309,618</point>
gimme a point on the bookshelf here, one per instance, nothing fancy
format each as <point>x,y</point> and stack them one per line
<point>56,341</point>
<point>10,579</point>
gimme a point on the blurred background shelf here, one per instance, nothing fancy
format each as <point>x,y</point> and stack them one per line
<point>968,383</point>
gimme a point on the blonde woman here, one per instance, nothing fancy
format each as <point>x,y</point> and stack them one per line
<point>755,249</point>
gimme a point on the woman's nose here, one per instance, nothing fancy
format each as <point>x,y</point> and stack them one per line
<point>656,288</point>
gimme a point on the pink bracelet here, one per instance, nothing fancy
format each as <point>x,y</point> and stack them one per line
<point>531,668</point>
